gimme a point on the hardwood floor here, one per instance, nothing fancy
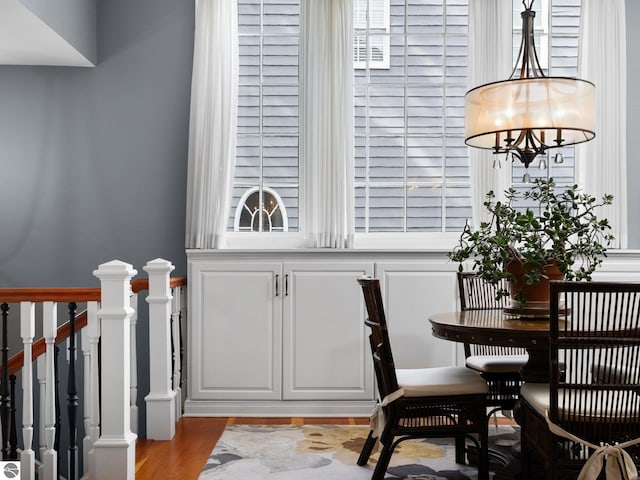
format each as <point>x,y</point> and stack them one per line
<point>184,456</point>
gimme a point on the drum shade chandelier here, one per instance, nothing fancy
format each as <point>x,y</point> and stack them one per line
<point>529,113</point>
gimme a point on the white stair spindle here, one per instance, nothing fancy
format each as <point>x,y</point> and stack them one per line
<point>41,365</point>
<point>184,318</point>
<point>134,365</point>
<point>177,354</point>
<point>161,399</point>
<point>49,329</point>
<point>114,451</point>
<point>92,331</point>
<point>86,357</point>
<point>27,332</point>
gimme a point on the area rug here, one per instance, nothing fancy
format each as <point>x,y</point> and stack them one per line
<point>329,452</point>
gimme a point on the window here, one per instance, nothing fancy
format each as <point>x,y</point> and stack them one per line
<point>371,33</point>
<point>261,211</point>
<point>412,170</point>
<point>410,74</point>
<point>268,139</point>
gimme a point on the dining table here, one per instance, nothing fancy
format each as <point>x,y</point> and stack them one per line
<point>500,328</point>
<point>497,327</point>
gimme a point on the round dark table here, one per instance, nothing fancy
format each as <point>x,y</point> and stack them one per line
<point>495,327</point>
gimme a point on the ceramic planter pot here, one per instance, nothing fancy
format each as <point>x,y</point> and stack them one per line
<point>536,297</point>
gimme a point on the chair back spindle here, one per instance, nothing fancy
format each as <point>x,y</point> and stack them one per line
<point>477,294</point>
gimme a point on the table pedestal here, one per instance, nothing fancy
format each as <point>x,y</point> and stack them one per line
<point>536,370</point>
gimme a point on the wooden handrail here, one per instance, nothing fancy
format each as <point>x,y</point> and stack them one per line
<point>66,294</point>
<point>72,294</point>
<point>143,283</point>
<point>13,295</point>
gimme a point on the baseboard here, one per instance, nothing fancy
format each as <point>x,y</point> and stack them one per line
<point>281,408</point>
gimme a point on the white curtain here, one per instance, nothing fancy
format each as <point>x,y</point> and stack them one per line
<point>327,79</point>
<point>212,123</point>
<point>601,164</point>
<point>490,52</point>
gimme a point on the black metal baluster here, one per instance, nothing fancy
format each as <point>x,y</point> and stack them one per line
<point>5,400</point>
<point>72,396</point>
<point>13,436</point>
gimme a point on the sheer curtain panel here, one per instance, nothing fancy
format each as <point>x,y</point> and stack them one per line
<point>490,52</point>
<point>328,130</point>
<point>213,123</point>
<point>601,163</point>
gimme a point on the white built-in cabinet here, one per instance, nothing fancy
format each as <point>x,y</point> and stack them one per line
<point>282,332</point>
<point>238,338</point>
<point>278,337</point>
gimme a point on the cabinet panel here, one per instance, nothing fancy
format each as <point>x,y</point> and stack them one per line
<point>326,350</point>
<point>411,293</point>
<point>237,344</point>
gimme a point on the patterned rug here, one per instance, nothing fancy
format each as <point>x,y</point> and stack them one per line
<point>329,452</point>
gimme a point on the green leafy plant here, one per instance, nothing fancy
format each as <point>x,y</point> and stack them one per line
<point>561,228</point>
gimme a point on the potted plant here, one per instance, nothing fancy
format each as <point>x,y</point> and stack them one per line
<point>560,237</point>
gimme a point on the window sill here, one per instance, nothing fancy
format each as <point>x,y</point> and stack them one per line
<point>362,241</point>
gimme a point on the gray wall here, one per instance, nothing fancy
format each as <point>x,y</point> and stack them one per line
<point>93,160</point>
<point>633,120</point>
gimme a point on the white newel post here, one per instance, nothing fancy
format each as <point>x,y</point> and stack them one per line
<point>114,451</point>
<point>27,332</point>
<point>161,416</point>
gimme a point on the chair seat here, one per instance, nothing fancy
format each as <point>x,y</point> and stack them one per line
<point>497,363</point>
<point>440,381</point>
<point>537,395</point>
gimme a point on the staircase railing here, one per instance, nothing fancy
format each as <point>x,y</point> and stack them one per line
<point>104,396</point>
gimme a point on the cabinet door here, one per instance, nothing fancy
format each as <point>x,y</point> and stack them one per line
<point>236,332</point>
<point>412,291</point>
<point>326,350</point>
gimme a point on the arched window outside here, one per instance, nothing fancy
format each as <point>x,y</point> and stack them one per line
<point>260,211</point>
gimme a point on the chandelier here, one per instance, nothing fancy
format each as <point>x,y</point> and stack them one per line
<point>529,113</point>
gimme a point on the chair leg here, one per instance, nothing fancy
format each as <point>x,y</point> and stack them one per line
<point>525,460</point>
<point>483,454</point>
<point>383,461</point>
<point>461,450</point>
<point>367,448</point>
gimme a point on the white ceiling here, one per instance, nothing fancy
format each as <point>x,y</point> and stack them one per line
<point>26,40</point>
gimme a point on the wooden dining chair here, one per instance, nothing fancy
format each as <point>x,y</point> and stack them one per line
<point>499,366</point>
<point>437,402</point>
<point>591,323</point>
